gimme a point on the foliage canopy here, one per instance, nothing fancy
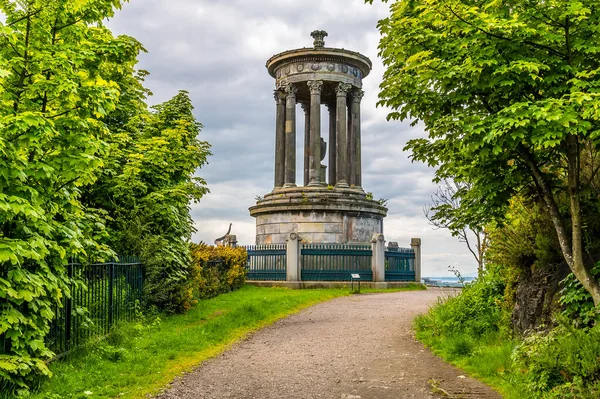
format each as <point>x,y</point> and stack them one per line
<point>509,95</point>
<point>86,168</point>
<point>54,92</point>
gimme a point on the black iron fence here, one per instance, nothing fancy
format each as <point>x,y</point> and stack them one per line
<point>103,295</point>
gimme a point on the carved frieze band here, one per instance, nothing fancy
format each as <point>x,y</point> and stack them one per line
<point>315,86</point>
<point>317,66</point>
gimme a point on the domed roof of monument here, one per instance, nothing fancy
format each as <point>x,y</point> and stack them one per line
<point>319,53</point>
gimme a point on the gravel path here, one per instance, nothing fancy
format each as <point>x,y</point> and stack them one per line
<point>353,347</point>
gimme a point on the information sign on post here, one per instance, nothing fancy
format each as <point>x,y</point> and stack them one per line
<point>355,276</point>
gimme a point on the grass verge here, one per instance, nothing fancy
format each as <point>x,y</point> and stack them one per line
<point>140,358</point>
<point>407,287</point>
<point>487,358</point>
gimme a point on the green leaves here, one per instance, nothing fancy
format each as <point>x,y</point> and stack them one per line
<point>56,61</point>
<point>509,95</point>
<point>146,188</point>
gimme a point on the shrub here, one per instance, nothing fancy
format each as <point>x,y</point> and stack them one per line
<point>217,270</point>
<point>167,275</point>
<point>577,303</point>
<point>561,364</point>
<point>476,311</point>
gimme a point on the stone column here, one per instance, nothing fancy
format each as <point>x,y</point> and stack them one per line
<point>351,158</point>
<point>306,109</point>
<point>415,244</point>
<point>279,139</point>
<point>342,135</point>
<point>293,258</point>
<point>315,86</point>
<point>378,258</point>
<point>355,145</point>
<point>290,135</point>
<point>332,144</point>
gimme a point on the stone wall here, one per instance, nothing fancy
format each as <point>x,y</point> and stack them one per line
<point>317,226</point>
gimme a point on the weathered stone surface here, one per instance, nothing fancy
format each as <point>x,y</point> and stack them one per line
<point>329,64</point>
<point>271,228</point>
<point>318,215</point>
<point>290,135</point>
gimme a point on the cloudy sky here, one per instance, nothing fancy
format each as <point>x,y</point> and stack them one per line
<point>217,49</point>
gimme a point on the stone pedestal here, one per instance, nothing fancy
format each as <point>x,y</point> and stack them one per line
<point>293,257</point>
<point>317,215</point>
<point>415,244</point>
<point>378,258</point>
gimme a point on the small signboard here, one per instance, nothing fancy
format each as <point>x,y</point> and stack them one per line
<point>355,277</point>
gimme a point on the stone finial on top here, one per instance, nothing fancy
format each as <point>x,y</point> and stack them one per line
<point>319,36</point>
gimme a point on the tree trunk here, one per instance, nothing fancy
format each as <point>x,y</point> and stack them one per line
<point>583,273</point>
<point>571,249</point>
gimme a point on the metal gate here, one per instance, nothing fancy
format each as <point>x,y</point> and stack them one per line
<point>399,264</point>
<point>266,262</point>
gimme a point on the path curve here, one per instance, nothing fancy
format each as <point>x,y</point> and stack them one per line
<point>361,346</point>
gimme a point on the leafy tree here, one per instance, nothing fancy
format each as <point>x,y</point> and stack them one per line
<point>446,212</point>
<point>509,95</point>
<point>146,191</point>
<point>54,93</point>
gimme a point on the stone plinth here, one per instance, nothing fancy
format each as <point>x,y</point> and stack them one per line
<point>318,215</point>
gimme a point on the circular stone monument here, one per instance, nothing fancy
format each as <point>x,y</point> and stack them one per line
<point>331,206</point>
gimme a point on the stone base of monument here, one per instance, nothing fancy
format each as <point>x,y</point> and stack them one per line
<point>323,215</point>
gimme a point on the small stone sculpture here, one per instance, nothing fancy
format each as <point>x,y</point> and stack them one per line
<point>228,240</point>
<point>319,36</point>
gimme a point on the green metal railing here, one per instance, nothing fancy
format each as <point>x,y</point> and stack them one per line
<point>266,262</point>
<point>107,293</point>
<point>335,262</point>
<point>329,262</point>
<point>399,264</point>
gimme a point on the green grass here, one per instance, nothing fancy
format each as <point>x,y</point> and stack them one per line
<point>407,287</point>
<point>136,360</point>
<point>486,358</point>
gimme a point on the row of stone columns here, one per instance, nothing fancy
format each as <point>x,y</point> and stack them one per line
<point>344,137</point>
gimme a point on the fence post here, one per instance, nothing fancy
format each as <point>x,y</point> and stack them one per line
<point>378,258</point>
<point>69,307</point>
<point>111,281</point>
<point>415,244</point>
<point>293,258</point>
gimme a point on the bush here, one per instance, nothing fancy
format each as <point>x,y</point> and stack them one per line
<point>561,364</point>
<point>577,303</point>
<point>217,270</point>
<point>475,312</point>
<point>168,270</point>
